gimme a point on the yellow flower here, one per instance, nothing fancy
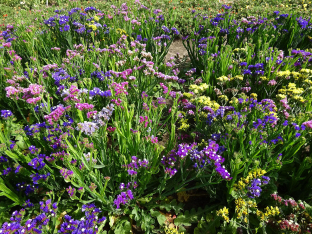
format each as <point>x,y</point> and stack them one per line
<point>307,81</point>
<point>234,100</point>
<point>187,95</point>
<point>96,18</point>
<point>184,124</point>
<point>92,26</point>
<point>224,214</point>
<point>284,73</point>
<point>199,88</point>
<point>223,79</point>
<point>296,75</point>
<point>223,97</point>
<point>282,91</point>
<point>281,96</point>
<point>308,71</point>
<point>239,77</point>
<point>254,95</point>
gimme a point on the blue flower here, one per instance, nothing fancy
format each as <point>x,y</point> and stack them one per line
<point>6,114</point>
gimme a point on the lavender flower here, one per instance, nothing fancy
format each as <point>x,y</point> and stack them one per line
<point>37,163</point>
<point>6,114</point>
<point>38,178</point>
<point>123,198</point>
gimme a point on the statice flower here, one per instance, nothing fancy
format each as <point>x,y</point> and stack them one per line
<point>3,159</point>
<point>254,190</point>
<point>28,204</point>
<point>12,92</point>
<point>67,174</point>
<point>33,149</point>
<point>37,163</point>
<point>123,198</point>
<point>265,179</point>
<point>87,224</point>
<point>7,171</point>
<point>87,127</point>
<point>38,178</point>
<point>6,114</point>
<point>308,124</point>
<point>84,106</point>
<point>171,171</point>
<point>63,19</point>
<point>226,7</point>
<point>40,107</point>
<point>55,115</point>
<point>97,91</point>
<point>71,191</point>
<point>135,165</point>
<point>27,188</point>
<point>303,23</point>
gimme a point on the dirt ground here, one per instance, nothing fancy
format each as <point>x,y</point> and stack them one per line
<point>176,47</point>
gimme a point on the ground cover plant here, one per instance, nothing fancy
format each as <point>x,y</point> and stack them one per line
<point>101,133</point>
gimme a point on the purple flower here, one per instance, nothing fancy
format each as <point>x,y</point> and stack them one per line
<point>37,177</point>
<point>254,190</point>
<point>37,163</point>
<point>247,72</point>
<point>123,198</point>
<point>132,172</point>
<point>7,171</point>
<point>66,28</point>
<point>67,174</point>
<point>63,19</point>
<point>28,203</point>
<point>265,179</point>
<point>71,191</point>
<point>6,114</point>
<point>33,149</point>
<point>18,169</point>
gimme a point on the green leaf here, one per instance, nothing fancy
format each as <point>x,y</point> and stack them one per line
<point>210,226</point>
<point>123,227</point>
<point>5,191</point>
<point>159,216</point>
<point>111,221</point>
<point>173,205</point>
<point>135,213</point>
<point>21,142</point>
<point>191,216</point>
<point>98,166</point>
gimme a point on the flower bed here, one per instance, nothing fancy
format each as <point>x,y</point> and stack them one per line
<point>101,134</point>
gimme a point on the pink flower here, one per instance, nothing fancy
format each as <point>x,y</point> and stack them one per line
<point>285,103</point>
<point>164,87</point>
<point>308,124</point>
<point>33,100</point>
<point>90,114</point>
<point>272,82</point>
<point>84,106</point>
<point>11,91</point>
<point>154,139</point>
<point>55,115</point>
<point>286,114</point>
<point>8,44</point>
<point>111,129</point>
<point>35,89</point>
<point>120,88</point>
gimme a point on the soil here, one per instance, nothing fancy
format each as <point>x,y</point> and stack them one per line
<point>176,47</point>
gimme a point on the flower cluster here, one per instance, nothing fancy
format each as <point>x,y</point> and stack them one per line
<point>123,198</point>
